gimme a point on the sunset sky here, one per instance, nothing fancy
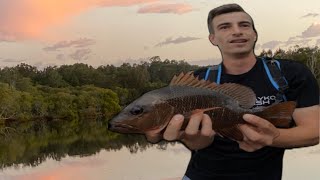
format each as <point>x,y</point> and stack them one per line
<point>100,32</point>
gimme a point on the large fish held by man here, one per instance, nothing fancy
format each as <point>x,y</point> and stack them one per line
<point>186,95</point>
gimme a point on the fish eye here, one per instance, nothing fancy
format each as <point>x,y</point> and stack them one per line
<point>136,110</point>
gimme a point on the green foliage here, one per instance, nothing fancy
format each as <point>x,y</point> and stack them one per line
<point>24,100</point>
<point>8,98</point>
<point>79,74</point>
<point>60,105</point>
<point>94,102</point>
<point>9,76</point>
<point>25,84</point>
<point>51,77</point>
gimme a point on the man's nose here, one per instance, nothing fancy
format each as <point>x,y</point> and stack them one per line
<point>236,30</point>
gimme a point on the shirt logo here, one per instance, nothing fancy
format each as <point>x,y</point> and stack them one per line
<point>265,100</point>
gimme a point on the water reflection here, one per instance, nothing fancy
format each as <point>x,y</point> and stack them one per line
<point>31,143</point>
<point>152,164</point>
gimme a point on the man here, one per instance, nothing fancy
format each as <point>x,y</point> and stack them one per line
<point>259,156</point>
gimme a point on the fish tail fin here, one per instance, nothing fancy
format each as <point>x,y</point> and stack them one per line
<point>280,115</point>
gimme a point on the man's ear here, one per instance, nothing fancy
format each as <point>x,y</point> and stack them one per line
<point>212,39</point>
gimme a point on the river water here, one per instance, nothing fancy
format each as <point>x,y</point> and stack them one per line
<point>86,154</point>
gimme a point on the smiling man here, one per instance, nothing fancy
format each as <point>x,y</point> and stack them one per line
<point>259,156</point>
<point>234,34</point>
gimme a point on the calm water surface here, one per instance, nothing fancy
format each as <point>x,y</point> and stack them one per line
<point>89,151</point>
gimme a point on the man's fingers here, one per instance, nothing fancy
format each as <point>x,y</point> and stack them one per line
<point>260,124</point>
<point>194,124</point>
<point>256,120</point>
<point>172,131</point>
<point>206,129</point>
<point>250,133</point>
<point>153,138</point>
<point>248,147</point>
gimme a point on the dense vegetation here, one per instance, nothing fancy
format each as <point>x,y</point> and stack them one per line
<point>64,110</point>
<point>79,90</point>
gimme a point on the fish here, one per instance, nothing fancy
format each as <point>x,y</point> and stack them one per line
<point>187,95</point>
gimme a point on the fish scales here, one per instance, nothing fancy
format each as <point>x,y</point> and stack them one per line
<point>195,98</point>
<point>223,117</point>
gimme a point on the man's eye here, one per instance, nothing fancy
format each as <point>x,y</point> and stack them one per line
<point>245,25</point>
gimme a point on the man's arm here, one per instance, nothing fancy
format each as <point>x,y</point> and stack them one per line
<point>259,132</point>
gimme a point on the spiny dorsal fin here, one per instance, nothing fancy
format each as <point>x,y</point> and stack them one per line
<point>189,79</point>
<point>176,79</point>
<point>244,95</point>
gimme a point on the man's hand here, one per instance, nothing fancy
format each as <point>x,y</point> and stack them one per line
<point>197,135</point>
<point>258,133</point>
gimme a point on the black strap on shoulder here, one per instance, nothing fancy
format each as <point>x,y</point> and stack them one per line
<point>273,70</point>
<point>213,73</point>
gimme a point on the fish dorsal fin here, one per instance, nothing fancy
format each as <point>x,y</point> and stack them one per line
<point>189,79</point>
<point>244,95</point>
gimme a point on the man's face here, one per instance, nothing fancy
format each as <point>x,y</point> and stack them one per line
<point>233,33</point>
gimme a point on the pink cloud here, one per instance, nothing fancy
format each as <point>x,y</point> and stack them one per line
<point>178,8</point>
<point>29,19</point>
<point>25,19</point>
<point>176,41</point>
<point>312,31</point>
<point>81,54</point>
<point>78,43</point>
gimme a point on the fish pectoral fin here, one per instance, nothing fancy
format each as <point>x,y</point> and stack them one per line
<point>204,110</point>
<point>196,111</point>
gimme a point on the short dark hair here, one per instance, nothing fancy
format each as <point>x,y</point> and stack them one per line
<point>224,9</point>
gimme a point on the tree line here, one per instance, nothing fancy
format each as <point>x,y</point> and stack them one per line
<point>79,90</point>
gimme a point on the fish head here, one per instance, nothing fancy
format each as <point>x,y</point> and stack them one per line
<point>146,113</point>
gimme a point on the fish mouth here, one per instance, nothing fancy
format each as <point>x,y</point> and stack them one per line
<point>123,128</point>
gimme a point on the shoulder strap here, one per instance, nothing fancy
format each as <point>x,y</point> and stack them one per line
<point>273,70</point>
<point>215,71</point>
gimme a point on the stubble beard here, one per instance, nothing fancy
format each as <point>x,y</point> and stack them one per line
<point>238,54</point>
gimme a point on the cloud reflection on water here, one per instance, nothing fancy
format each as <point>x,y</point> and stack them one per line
<point>152,164</point>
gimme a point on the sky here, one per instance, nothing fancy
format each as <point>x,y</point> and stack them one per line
<point>100,32</point>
